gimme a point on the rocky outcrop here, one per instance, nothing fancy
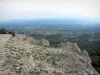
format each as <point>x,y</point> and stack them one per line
<point>34,41</point>
<point>21,57</point>
<point>45,42</point>
<point>86,55</point>
<point>71,46</point>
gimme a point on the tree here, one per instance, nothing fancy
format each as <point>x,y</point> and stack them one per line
<point>84,37</point>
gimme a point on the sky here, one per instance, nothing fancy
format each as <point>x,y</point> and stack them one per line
<point>29,9</point>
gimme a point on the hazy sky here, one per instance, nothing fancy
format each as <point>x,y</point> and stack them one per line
<point>27,9</point>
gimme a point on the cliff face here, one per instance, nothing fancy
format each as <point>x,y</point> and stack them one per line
<point>20,57</point>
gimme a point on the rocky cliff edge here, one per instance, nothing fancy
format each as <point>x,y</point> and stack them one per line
<point>20,57</point>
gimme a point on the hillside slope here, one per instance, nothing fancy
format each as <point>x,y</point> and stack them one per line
<point>19,56</point>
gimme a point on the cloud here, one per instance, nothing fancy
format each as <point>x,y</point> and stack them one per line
<point>21,9</point>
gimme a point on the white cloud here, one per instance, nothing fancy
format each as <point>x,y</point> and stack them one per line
<point>19,9</point>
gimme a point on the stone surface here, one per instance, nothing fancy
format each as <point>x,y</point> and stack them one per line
<point>45,42</point>
<point>18,56</point>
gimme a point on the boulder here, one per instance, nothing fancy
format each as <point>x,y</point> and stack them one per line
<point>45,42</point>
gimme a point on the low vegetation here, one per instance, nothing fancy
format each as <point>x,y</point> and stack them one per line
<point>4,31</point>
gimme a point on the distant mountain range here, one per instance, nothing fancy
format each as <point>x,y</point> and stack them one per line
<point>55,21</point>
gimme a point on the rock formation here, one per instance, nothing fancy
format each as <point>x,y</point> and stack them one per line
<point>45,42</point>
<point>20,57</point>
<point>71,46</point>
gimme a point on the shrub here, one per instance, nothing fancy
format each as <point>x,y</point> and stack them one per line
<point>3,31</point>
